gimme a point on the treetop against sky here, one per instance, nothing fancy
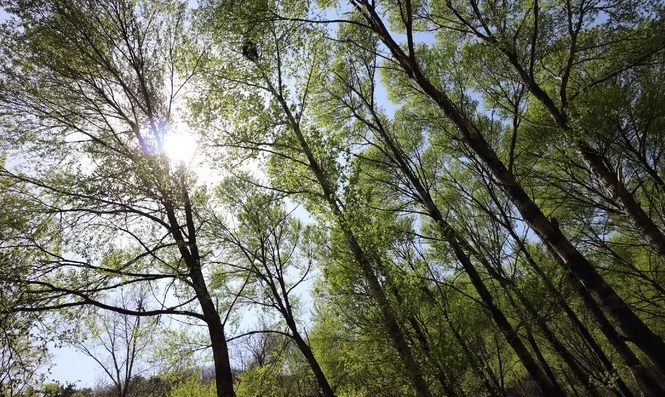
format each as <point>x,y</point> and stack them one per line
<point>330,198</point>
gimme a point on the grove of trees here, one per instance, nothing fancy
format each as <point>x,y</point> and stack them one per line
<point>388,197</point>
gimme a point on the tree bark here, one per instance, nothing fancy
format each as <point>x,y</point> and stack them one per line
<point>446,385</point>
<point>220,352</point>
<point>189,251</point>
<point>541,359</point>
<point>548,387</point>
<point>574,319</point>
<point>599,166</point>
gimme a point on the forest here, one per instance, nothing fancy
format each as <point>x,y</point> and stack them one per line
<point>333,198</point>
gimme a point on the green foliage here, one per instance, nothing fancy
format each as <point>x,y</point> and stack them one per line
<point>192,387</point>
<point>366,161</point>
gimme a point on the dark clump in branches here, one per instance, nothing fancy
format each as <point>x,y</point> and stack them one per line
<point>250,51</point>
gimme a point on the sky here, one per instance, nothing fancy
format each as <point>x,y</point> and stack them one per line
<point>71,366</point>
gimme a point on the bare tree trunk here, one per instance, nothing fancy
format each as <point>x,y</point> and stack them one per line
<point>490,383</point>
<point>541,359</point>
<point>220,352</point>
<point>446,385</point>
<point>581,328</point>
<point>600,168</point>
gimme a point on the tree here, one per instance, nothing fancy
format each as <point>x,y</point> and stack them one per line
<point>265,254</point>
<point>298,148</point>
<point>580,268</point>
<point>22,346</point>
<point>275,368</point>
<point>119,343</point>
<point>91,91</point>
<point>477,184</point>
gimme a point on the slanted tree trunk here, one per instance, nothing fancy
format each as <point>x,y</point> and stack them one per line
<point>599,166</point>
<point>306,351</point>
<point>449,235</point>
<point>541,358</point>
<point>648,384</point>
<point>446,385</point>
<point>365,260</point>
<point>489,382</point>
<point>549,388</point>
<point>551,337</point>
<point>574,319</point>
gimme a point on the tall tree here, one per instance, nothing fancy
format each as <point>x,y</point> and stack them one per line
<point>91,91</point>
<point>23,347</point>
<point>299,147</point>
<point>472,133</point>
<point>266,254</point>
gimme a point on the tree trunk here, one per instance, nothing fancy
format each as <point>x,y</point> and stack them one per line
<point>311,360</point>
<point>548,388</point>
<point>189,251</point>
<point>638,332</point>
<point>610,179</point>
<point>599,167</point>
<point>491,384</point>
<point>541,359</point>
<point>645,380</point>
<point>441,376</point>
<point>366,263</point>
<point>220,351</point>
<point>648,384</point>
<point>558,347</point>
<point>449,235</point>
<point>306,351</point>
<point>446,385</point>
<point>581,328</point>
<point>549,335</point>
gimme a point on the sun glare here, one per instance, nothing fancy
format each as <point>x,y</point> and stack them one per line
<point>180,147</point>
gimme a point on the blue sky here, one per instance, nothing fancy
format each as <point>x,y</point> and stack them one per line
<point>71,366</point>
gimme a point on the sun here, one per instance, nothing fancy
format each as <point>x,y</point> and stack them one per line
<point>180,147</point>
<point>183,148</point>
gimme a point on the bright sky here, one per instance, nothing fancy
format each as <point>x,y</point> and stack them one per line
<point>181,146</point>
<point>71,366</point>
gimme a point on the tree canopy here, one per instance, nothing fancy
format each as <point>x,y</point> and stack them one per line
<point>393,197</point>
